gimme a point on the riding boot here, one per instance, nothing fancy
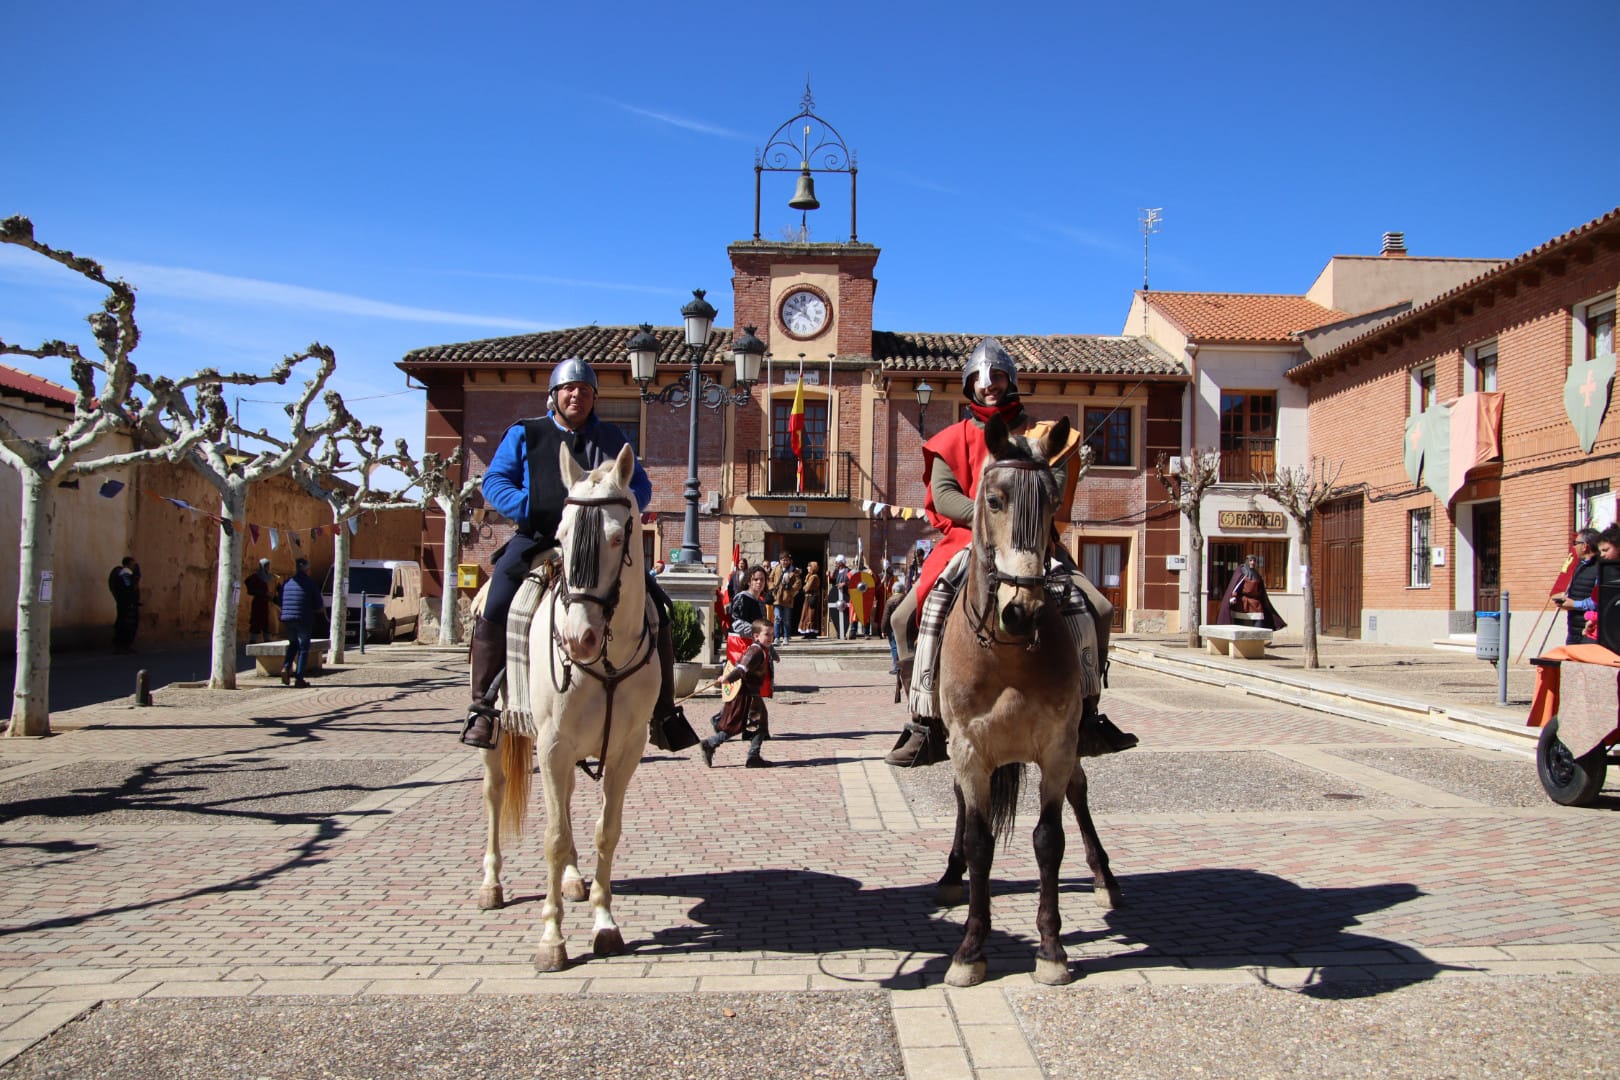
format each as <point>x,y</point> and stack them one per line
<point>1100,735</point>
<point>488,661</point>
<point>668,728</point>
<point>923,740</point>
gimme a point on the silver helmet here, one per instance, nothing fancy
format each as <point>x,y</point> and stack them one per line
<point>988,355</point>
<point>571,370</point>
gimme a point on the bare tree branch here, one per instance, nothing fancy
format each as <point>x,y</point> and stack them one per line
<point>1299,490</point>
<point>1187,478</point>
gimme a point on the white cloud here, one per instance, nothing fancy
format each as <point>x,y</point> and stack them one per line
<point>678,121</point>
<point>181,282</point>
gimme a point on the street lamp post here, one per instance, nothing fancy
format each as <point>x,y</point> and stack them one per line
<point>925,394</point>
<point>693,387</point>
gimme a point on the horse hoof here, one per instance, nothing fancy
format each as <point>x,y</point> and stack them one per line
<point>490,898</point>
<point>949,895</point>
<point>962,974</point>
<point>1108,897</point>
<point>575,889</point>
<point>1052,972</point>
<point>551,957</point>
<point>608,942</point>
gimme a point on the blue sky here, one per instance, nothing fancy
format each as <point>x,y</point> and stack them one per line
<point>384,176</point>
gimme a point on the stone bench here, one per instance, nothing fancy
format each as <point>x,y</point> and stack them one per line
<point>1248,642</point>
<point>267,656</point>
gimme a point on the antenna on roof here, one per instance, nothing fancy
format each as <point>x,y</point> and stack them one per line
<point>1150,220</point>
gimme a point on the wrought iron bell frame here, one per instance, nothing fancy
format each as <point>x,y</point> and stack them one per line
<point>820,149</point>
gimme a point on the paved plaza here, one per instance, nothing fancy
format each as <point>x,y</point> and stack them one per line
<point>279,882</point>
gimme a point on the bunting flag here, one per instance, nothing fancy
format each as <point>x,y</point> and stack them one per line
<point>1586,397</point>
<point>275,539</point>
<point>354,525</point>
<point>1447,440</point>
<point>253,531</point>
<point>796,428</point>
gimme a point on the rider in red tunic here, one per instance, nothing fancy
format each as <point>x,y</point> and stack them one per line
<point>952,461</point>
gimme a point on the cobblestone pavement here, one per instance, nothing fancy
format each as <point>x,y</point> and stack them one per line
<point>276,846</point>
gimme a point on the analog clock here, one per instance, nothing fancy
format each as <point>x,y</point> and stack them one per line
<point>804,312</point>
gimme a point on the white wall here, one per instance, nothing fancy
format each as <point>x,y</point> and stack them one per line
<point>91,535</point>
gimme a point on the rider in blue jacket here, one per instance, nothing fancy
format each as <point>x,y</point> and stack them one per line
<point>524,483</point>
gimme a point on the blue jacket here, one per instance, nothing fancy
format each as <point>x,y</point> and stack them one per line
<point>300,599</point>
<point>506,482</point>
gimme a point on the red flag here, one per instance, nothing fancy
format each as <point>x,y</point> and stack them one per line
<point>1562,584</point>
<point>796,428</point>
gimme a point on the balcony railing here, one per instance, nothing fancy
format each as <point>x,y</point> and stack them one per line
<point>1247,460</point>
<point>825,478</point>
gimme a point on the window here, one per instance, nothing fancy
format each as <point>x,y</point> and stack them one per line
<point>1482,363</point>
<point>1594,329</point>
<point>624,414</point>
<point>784,466</point>
<point>1423,389</point>
<point>1108,433</point>
<point>1418,548</point>
<point>1226,556</point>
<point>1586,499</point>
<point>1248,435</point>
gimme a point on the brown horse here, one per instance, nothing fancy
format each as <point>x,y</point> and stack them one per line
<point>1010,694</point>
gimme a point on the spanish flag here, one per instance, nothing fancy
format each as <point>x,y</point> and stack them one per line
<point>796,429</point>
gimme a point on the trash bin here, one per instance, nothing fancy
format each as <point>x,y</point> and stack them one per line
<point>1488,635</point>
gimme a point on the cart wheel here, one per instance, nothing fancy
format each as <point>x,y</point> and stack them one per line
<point>1569,780</point>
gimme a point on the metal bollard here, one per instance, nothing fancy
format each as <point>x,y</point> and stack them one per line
<point>143,688</point>
<point>362,630</point>
<point>1502,664</point>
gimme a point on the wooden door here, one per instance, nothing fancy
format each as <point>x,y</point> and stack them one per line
<point>1103,562</point>
<point>1338,579</point>
<point>1487,556</point>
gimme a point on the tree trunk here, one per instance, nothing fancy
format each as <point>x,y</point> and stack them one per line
<point>449,610</point>
<point>1309,592</point>
<point>1195,579</point>
<point>233,507</point>
<point>338,625</point>
<point>30,697</point>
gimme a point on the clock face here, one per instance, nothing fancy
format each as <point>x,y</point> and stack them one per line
<point>804,312</point>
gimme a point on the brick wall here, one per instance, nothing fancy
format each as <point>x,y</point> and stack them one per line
<point>1356,416</point>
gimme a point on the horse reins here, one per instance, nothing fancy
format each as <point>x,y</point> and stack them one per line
<point>610,676</point>
<point>984,631</point>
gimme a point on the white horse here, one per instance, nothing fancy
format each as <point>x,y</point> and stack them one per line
<point>593,678</point>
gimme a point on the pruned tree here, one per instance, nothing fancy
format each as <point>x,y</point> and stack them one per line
<point>1299,490</point>
<point>1190,477</point>
<point>196,411</point>
<point>103,405</point>
<point>326,477</point>
<point>440,489</point>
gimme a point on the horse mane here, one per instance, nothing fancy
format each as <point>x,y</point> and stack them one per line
<point>1025,486</point>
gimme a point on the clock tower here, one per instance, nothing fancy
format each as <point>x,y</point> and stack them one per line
<point>804,297</point>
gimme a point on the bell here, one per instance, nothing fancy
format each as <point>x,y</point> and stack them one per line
<point>804,195</point>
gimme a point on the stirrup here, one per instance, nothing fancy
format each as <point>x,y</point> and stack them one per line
<point>482,711</point>
<point>672,731</point>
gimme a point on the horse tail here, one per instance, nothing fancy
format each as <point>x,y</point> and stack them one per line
<point>517,762</point>
<point>1004,784</point>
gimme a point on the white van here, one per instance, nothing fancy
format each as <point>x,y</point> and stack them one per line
<point>393,592</point>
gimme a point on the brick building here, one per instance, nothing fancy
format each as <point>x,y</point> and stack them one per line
<point>864,426</point>
<point>1238,348</point>
<point>1448,504</point>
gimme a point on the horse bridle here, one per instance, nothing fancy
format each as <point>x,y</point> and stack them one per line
<point>610,676</point>
<point>984,630</point>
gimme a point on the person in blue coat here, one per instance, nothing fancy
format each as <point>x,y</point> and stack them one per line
<point>300,601</point>
<point>524,483</point>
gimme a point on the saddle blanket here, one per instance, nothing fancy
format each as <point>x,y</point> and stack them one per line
<point>1060,587</point>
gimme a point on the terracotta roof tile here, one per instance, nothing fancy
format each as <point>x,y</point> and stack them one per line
<point>1072,354</point>
<point>22,384</point>
<point>1080,354</point>
<point>1241,318</point>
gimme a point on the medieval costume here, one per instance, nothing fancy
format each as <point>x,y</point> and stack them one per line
<point>258,587</point>
<point>745,713</point>
<point>1246,595</point>
<point>814,588</point>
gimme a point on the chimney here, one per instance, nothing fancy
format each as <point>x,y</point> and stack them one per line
<point>1394,244</point>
